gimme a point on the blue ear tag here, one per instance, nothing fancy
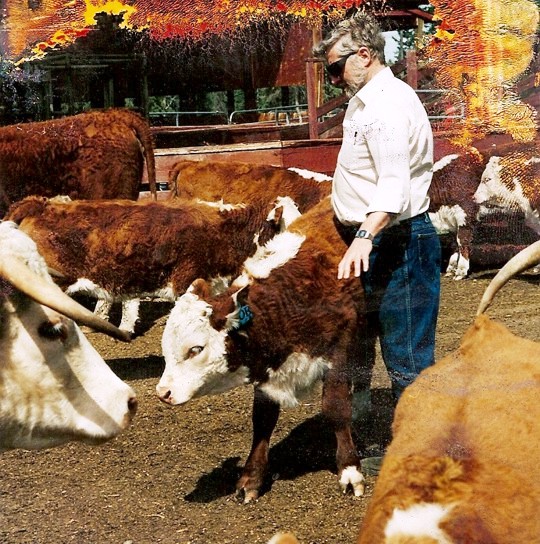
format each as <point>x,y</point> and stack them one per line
<point>245,315</point>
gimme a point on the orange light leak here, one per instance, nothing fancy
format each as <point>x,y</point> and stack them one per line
<point>34,32</point>
<point>480,49</point>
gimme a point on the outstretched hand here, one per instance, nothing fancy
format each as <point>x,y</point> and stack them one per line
<point>356,257</point>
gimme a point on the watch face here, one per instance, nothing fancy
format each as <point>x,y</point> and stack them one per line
<point>364,234</point>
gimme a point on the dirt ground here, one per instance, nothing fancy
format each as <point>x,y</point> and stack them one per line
<point>170,478</point>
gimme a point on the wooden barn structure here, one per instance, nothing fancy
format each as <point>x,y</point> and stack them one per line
<point>115,67</point>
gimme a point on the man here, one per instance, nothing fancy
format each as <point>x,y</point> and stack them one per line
<point>380,200</point>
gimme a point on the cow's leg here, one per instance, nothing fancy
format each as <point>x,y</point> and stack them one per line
<point>265,416</point>
<point>130,315</point>
<point>337,407</point>
<point>459,263</point>
<point>103,308</point>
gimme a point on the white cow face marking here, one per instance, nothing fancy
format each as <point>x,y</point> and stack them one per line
<point>54,386</point>
<point>495,193</point>
<point>490,191</point>
<point>195,354</point>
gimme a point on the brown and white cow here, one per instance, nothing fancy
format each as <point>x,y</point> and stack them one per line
<point>464,464</point>
<point>453,210</point>
<point>305,325</point>
<point>237,182</point>
<point>511,183</point>
<point>54,386</point>
<point>122,250</point>
<point>93,155</point>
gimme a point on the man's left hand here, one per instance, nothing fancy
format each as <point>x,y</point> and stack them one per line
<point>356,257</point>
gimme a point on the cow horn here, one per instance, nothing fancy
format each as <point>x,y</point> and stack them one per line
<point>55,273</point>
<point>518,263</point>
<point>50,295</point>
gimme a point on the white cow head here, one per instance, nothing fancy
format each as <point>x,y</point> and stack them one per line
<point>491,192</point>
<point>195,349</point>
<point>54,386</point>
<point>509,184</point>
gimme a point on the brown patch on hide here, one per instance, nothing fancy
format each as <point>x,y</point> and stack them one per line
<point>522,170</point>
<point>237,182</point>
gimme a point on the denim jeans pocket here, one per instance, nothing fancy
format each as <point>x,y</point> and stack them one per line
<point>429,253</point>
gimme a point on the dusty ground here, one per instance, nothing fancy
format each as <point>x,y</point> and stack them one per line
<point>170,478</point>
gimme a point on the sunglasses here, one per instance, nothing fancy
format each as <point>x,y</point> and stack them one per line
<point>336,68</point>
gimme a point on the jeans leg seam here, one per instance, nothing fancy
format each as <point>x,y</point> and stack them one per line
<point>409,319</point>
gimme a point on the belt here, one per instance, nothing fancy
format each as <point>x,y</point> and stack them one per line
<point>420,216</point>
<point>404,222</point>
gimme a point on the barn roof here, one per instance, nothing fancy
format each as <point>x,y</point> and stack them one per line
<point>35,26</point>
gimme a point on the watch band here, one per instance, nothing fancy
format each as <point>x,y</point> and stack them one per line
<point>364,234</point>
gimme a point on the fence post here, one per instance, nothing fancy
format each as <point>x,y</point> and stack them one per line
<point>412,68</point>
<point>313,96</point>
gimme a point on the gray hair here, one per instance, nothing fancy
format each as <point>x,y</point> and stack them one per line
<point>360,30</point>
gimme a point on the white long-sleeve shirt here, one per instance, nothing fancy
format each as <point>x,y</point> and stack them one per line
<point>386,158</point>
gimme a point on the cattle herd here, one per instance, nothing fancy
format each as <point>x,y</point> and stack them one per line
<point>248,255</point>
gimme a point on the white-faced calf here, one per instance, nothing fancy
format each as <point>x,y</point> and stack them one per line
<point>286,323</point>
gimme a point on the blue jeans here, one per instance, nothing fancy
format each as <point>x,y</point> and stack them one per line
<point>402,289</point>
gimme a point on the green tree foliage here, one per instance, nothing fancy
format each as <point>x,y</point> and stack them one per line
<point>19,95</point>
<point>407,39</point>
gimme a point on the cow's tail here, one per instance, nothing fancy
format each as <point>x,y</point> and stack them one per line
<point>525,259</point>
<point>142,130</point>
<point>174,178</point>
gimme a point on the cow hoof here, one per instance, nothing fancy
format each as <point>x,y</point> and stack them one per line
<point>245,496</point>
<point>353,478</point>
<point>458,267</point>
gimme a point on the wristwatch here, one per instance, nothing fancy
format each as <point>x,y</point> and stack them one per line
<point>364,234</point>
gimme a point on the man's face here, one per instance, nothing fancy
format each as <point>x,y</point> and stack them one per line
<point>346,71</point>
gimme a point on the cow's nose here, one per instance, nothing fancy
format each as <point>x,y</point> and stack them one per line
<point>133,404</point>
<point>164,394</point>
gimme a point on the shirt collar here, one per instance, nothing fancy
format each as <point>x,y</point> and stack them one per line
<point>371,90</point>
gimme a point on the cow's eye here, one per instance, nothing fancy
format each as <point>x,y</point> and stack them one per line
<point>53,331</point>
<point>195,350</point>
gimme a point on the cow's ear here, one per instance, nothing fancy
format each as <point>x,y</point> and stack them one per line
<point>201,288</point>
<point>275,215</point>
<point>241,296</point>
<point>284,211</point>
<point>240,318</point>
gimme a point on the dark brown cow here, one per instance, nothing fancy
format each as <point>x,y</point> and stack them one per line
<point>453,210</point>
<point>243,182</point>
<point>99,154</point>
<point>123,249</point>
<point>305,325</point>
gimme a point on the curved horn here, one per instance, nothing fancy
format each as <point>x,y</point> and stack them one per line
<point>518,263</point>
<point>50,295</point>
<point>55,273</point>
